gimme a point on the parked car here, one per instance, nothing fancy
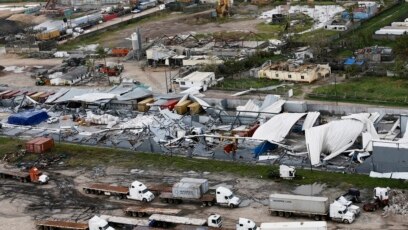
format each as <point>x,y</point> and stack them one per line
<point>135,11</point>
<point>52,120</point>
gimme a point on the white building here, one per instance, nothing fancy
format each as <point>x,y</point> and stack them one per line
<point>292,72</point>
<point>198,80</point>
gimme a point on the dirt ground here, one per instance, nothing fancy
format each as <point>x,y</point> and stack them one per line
<point>176,24</point>
<point>62,198</point>
<point>154,77</point>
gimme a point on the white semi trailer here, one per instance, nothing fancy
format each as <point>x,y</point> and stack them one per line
<point>315,207</point>
<point>247,224</point>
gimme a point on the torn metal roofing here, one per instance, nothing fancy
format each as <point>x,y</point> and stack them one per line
<point>71,94</point>
<point>136,93</point>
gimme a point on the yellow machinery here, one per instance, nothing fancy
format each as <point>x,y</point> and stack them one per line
<point>223,7</point>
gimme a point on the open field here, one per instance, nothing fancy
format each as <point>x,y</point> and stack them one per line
<point>88,157</point>
<point>362,36</point>
<point>377,90</point>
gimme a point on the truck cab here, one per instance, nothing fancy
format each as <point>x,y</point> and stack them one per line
<point>352,208</point>
<point>138,191</point>
<point>339,212</point>
<point>287,172</point>
<point>246,224</point>
<point>381,193</point>
<point>227,197</point>
<point>37,176</point>
<point>215,221</point>
<point>97,223</point>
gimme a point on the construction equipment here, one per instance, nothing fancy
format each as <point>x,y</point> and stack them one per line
<point>136,191</point>
<point>33,175</point>
<point>111,70</point>
<point>223,8</point>
<point>380,200</point>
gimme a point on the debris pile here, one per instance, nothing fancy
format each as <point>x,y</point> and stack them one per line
<point>398,203</point>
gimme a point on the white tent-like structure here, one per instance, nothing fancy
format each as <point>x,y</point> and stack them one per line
<point>337,136</point>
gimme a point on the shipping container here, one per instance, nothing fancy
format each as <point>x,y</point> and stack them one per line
<point>187,190</point>
<point>10,94</point>
<point>169,104</point>
<point>48,35</point>
<point>30,144</point>
<point>299,204</point>
<point>108,17</point>
<point>120,52</point>
<point>202,182</point>
<point>181,107</point>
<point>143,105</point>
<point>195,108</point>
<point>43,145</point>
<point>37,95</point>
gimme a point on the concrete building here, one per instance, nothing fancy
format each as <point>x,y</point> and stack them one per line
<point>292,72</point>
<point>201,80</point>
<point>396,29</point>
<point>338,25</point>
<point>375,54</point>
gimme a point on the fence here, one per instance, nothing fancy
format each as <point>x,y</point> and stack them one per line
<point>359,98</point>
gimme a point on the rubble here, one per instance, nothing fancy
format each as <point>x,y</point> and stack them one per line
<point>398,203</point>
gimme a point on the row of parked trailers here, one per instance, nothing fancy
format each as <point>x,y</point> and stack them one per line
<point>81,22</point>
<point>37,96</point>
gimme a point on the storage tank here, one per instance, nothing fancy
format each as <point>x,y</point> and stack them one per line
<point>136,40</point>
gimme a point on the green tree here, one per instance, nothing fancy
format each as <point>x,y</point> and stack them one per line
<point>401,47</point>
<point>102,53</point>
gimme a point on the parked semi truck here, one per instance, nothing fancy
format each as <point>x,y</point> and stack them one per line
<point>165,221</point>
<point>95,223</point>
<point>191,189</point>
<point>246,224</point>
<point>34,175</point>
<point>316,207</point>
<point>380,199</point>
<point>147,211</point>
<point>136,191</point>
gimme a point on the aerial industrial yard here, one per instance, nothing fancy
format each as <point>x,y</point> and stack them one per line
<point>178,114</point>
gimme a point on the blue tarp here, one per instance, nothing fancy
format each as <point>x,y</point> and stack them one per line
<point>32,117</point>
<point>263,147</point>
<point>353,61</point>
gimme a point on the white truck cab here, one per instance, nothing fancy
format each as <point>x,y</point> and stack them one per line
<point>287,172</point>
<point>97,223</point>
<point>226,196</point>
<point>215,221</point>
<point>352,208</point>
<point>246,224</point>
<point>43,179</point>
<point>381,193</point>
<point>339,212</point>
<point>138,191</point>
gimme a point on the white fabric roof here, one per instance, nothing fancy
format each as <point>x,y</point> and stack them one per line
<point>92,97</point>
<point>310,120</point>
<point>278,127</point>
<point>249,107</point>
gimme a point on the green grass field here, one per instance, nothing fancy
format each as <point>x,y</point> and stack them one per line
<point>377,90</point>
<point>245,83</point>
<point>363,35</point>
<point>88,157</point>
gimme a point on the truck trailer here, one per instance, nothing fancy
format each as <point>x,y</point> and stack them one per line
<point>315,207</point>
<point>147,211</point>
<point>136,191</point>
<point>95,223</point>
<point>33,175</point>
<point>196,190</point>
<point>165,221</point>
<point>245,224</point>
